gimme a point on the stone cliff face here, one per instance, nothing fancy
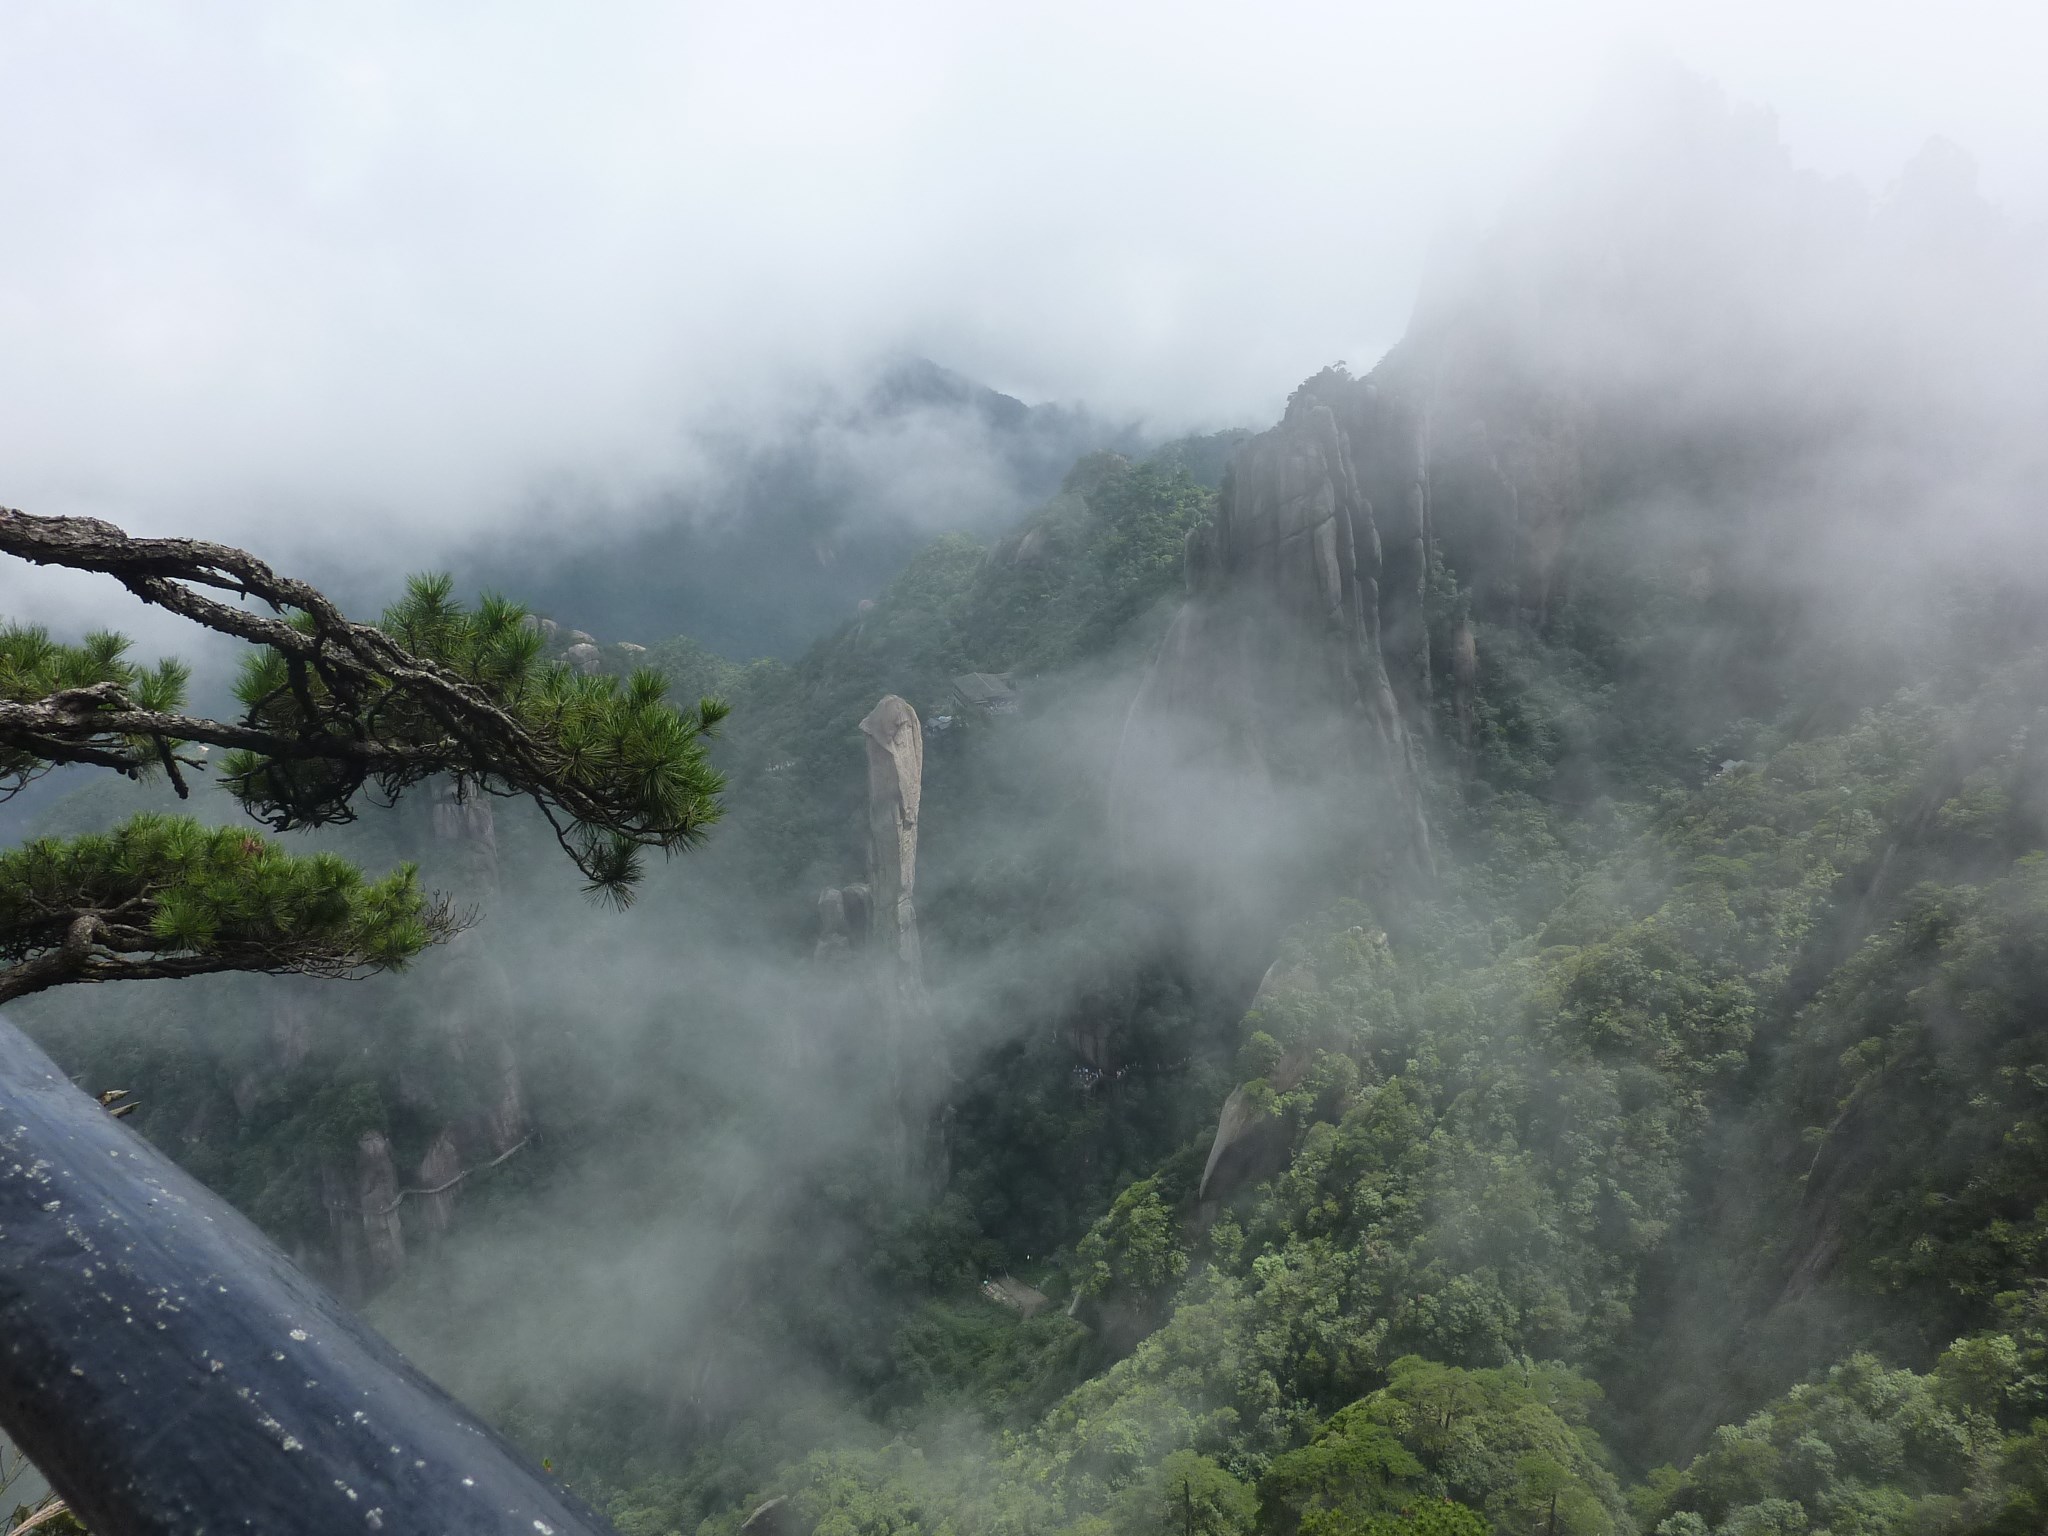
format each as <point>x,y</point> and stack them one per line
<point>1328,631</point>
<point>361,1196</point>
<point>1275,673</point>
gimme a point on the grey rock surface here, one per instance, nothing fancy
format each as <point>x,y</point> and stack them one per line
<point>1273,675</point>
<point>895,748</point>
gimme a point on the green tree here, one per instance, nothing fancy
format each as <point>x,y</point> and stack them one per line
<point>1186,1494</point>
<point>1512,1442</point>
<point>332,710</point>
<point>1353,1467</point>
<point>1135,1247</point>
<point>1866,1448</point>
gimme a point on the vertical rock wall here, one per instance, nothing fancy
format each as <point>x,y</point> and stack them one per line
<point>1272,685</point>
<point>1333,604</point>
<point>361,1197</point>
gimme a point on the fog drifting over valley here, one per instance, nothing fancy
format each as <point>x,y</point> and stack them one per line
<point>1693,367</point>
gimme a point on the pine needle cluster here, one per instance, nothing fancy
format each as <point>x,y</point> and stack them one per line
<point>34,667</point>
<point>623,769</point>
<point>333,712</point>
<point>163,896</point>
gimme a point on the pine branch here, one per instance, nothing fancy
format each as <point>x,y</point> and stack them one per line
<point>351,707</point>
<point>89,725</point>
<point>164,897</point>
<point>94,950</point>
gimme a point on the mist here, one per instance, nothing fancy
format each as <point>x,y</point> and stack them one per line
<point>1609,646</point>
<point>401,276</point>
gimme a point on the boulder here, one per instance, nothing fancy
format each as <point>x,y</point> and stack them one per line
<point>1008,1291</point>
<point>1251,1141</point>
<point>583,657</point>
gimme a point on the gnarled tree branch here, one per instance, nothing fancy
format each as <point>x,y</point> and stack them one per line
<point>382,715</point>
<point>95,948</point>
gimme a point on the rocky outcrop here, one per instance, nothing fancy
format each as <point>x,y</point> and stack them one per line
<point>869,932</point>
<point>458,1078</point>
<point>362,1216</point>
<point>1336,602</point>
<point>895,748</point>
<point>1026,1301</point>
<point>878,918</point>
<point>842,923</point>
<point>1287,973</point>
<point>438,1173</point>
<point>505,1122</point>
<point>1271,690</point>
<point>1464,679</point>
<point>1245,1145</point>
<point>479,996</point>
<point>579,650</point>
<point>377,1198</point>
<point>1251,1140</point>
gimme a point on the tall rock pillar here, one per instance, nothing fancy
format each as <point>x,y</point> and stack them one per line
<point>895,745</point>
<point>895,749</point>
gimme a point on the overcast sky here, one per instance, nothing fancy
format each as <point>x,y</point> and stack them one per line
<point>382,267</point>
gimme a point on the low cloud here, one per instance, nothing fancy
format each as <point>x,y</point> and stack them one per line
<point>360,287</point>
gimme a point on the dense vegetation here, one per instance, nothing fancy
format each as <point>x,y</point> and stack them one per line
<point>332,712</point>
<point>1672,1163</point>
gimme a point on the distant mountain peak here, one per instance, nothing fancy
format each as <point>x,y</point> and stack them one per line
<point>909,382</point>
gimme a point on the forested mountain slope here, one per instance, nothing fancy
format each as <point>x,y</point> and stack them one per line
<point>795,509</point>
<point>1493,979</point>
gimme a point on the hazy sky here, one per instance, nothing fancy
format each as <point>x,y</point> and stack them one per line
<point>380,267</point>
